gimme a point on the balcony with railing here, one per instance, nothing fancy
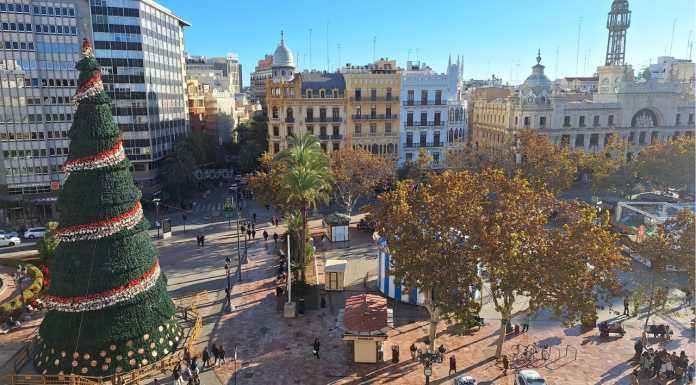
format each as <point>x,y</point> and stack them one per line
<point>289,120</point>
<point>408,145</point>
<point>423,123</point>
<point>326,96</point>
<point>324,120</point>
<point>374,117</point>
<point>374,98</point>
<point>424,103</point>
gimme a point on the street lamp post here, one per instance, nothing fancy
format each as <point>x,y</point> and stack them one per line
<point>239,253</point>
<point>18,276</point>
<point>184,223</point>
<point>427,358</point>
<point>229,308</point>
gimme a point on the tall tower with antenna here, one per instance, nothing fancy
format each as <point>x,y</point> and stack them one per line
<point>617,23</point>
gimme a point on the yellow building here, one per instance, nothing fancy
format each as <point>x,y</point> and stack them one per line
<point>313,102</point>
<point>372,119</point>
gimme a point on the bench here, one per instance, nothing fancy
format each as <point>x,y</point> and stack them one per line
<point>613,328</point>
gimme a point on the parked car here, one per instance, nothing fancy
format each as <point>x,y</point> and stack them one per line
<point>6,240</point>
<point>464,380</point>
<point>9,233</point>
<point>529,377</point>
<point>35,232</point>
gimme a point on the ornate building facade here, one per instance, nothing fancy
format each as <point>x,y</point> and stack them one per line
<point>311,102</point>
<point>433,112</point>
<point>373,106</point>
<point>637,110</point>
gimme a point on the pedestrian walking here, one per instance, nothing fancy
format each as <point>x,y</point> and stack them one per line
<point>273,218</point>
<point>254,217</point>
<point>187,373</point>
<point>216,354</point>
<point>222,352</point>
<point>506,364</point>
<point>198,241</point>
<point>323,241</point>
<point>265,235</point>
<point>194,365</point>
<point>206,357</point>
<point>625,307</point>
<point>275,237</point>
<point>176,374</point>
<point>202,240</point>
<point>638,347</point>
<point>322,305</point>
<point>634,377</point>
<point>453,365</point>
<point>315,348</point>
<point>253,225</point>
<point>253,234</point>
<point>248,233</point>
<point>656,365</point>
<point>277,222</point>
<point>527,321</point>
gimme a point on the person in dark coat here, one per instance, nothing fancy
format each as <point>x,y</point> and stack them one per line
<point>453,365</point>
<point>639,349</point>
<point>506,364</point>
<point>275,237</point>
<point>198,241</point>
<point>206,358</point>
<point>316,347</point>
<point>657,364</point>
<point>202,240</point>
<point>625,307</point>
<point>216,354</point>
<point>322,305</point>
<point>265,235</point>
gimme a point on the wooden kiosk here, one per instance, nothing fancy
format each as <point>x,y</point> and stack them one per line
<point>364,323</point>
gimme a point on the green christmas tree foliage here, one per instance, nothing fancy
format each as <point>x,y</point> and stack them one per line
<point>109,311</point>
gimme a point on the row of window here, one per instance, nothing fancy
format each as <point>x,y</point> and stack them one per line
<point>29,171</point>
<point>32,64</point>
<point>17,46</point>
<point>16,27</point>
<point>27,83</point>
<point>34,118</point>
<point>118,20</point>
<point>31,190</point>
<point>57,48</point>
<point>373,128</point>
<point>20,101</point>
<point>40,135</point>
<point>117,54</point>
<point>56,30</point>
<point>36,10</point>
<point>118,37</point>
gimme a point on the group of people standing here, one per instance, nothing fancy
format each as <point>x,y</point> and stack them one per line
<point>663,366</point>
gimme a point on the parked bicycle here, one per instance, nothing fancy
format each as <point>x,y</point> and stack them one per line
<point>527,352</point>
<point>543,349</point>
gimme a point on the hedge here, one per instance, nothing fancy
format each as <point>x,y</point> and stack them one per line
<point>16,302</point>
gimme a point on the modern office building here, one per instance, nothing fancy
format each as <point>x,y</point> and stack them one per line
<point>40,45</point>
<point>140,46</point>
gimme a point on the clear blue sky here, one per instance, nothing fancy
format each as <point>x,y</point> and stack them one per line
<point>491,35</point>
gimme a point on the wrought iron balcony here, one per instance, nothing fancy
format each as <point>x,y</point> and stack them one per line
<point>374,98</point>
<point>336,137</point>
<point>429,123</point>
<point>374,117</point>
<point>425,103</point>
<point>423,144</point>
<point>324,120</point>
<point>289,120</point>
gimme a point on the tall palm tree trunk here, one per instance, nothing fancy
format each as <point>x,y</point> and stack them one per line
<point>302,255</point>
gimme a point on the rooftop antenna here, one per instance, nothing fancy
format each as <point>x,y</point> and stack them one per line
<point>417,59</point>
<point>557,49</point>
<point>310,49</point>
<point>297,59</point>
<point>577,55</point>
<point>328,61</point>
<point>589,54</point>
<point>691,49</point>
<point>409,54</point>
<point>688,43</point>
<point>517,78</point>
<point>674,24</point>
<point>339,55</point>
<point>510,70</point>
<point>374,48</point>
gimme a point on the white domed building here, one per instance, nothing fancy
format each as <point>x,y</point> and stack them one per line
<point>283,66</point>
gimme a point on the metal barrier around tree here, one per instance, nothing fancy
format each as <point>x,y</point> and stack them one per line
<point>185,302</point>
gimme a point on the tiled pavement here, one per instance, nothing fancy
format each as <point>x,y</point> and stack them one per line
<point>278,350</point>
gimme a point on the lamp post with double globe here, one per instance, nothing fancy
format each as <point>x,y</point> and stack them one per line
<point>427,357</point>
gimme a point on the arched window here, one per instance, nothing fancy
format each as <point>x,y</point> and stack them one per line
<point>289,113</point>
<point>322,112</point>
<point>275,112</point>
<point>605,81</point>
<point>451,118</point>
<point>375,149</point>
<point>617,81</point>
<point>275,73</point>
<point>390,148</point>
<point>461,114</point>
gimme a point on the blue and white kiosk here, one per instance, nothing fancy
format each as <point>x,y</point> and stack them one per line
<point>389,285</point>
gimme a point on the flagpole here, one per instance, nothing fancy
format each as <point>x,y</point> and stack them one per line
<point>289,276</point>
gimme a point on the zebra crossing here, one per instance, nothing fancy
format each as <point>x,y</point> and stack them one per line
<point>206,207</point>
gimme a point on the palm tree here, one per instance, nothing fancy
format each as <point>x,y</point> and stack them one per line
<point>195,145</point>
<point>307,179</point>
<point>178,167</point>
<point>250,154</point>
<point>213,154</point>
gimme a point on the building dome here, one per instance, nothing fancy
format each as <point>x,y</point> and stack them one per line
<point>282,56</point>
<point>537,79</point>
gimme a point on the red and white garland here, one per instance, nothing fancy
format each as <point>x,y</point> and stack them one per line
<point>93,87</point>
<point>105,299</point>
<point>101,229</point>
<point>107,158</point>
<point>86,50</point>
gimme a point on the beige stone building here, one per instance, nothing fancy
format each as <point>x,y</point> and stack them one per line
<point>373,106</point>
<point>312,101</point>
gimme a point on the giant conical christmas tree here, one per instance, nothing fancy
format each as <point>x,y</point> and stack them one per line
<point>109,310</point>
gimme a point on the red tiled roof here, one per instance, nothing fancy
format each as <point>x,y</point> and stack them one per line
<point>365,313</point>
